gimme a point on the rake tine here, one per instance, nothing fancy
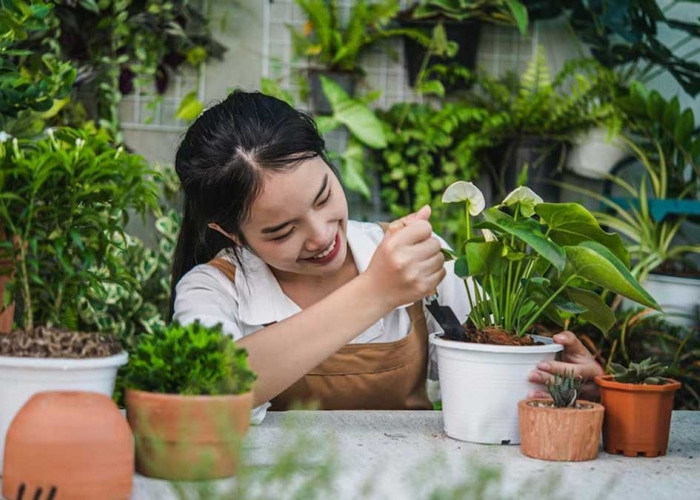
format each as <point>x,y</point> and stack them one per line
<point>52,493</point>
<point>20,491</point>
<point>37,494</point>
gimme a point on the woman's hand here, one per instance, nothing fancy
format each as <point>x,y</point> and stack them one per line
<point>576,358</point>
<point>408,264</point>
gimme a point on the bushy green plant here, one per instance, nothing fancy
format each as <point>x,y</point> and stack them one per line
<point>506,12</point>
<point>644,372</point>
<point>192,360</point>
<point>64,201</point>
<point>536,259</point>
<point>34,83</point>
<point>564,389</point>
<point>428,149</point>
<point>336,45</point>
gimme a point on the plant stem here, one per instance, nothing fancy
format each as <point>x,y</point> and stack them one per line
<point>537,313</point>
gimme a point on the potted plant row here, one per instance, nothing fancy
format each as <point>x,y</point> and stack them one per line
<point>562,428</point>
<point>188,401</point>
<point>638,401</point>
<point>532,260</point>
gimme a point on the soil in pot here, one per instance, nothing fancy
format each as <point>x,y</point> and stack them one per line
<point>497,336</point>
<point>637,416</point>
<point>560,434</point>
<point>50,342</point>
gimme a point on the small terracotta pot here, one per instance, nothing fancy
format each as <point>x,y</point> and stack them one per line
<point>76,442</point>
<point>637,416</point>
<point>561,434</point>
<point>188,438</point>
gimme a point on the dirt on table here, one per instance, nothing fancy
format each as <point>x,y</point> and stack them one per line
<point>50,342</point>
<point>496,336</point>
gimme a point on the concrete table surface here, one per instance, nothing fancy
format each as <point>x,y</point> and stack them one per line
<point>405,454</point>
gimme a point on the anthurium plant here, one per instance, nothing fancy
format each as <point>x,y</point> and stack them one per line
<point>532,260</point>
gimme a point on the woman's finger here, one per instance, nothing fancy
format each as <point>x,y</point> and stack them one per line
<point>573,347</point>
<point>586,371</point>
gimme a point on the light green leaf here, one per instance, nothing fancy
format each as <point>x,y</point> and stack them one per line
<point>597,312</point>
<point>519,12</point>
<point>190,107</point>
<point>484,257</point>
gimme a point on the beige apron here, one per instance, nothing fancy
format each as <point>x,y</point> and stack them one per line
<point>371,376</point>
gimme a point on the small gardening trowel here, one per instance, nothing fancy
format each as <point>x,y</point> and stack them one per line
<point>446,318</point>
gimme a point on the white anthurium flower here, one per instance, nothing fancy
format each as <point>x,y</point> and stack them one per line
<point>465,191</point>
<point>488,235</point>
<point>527,199</point>
<point>4,136</point>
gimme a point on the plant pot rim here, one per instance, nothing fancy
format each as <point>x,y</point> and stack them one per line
<point>607,382</point>
<point>64,363</point>
<point>593,407</point>
<point>550,346</point>
<point>166,397</point>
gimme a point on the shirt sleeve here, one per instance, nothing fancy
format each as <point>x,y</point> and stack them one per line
<point>207,295</point>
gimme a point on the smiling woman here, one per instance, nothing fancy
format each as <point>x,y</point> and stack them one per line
<point>330,310</point>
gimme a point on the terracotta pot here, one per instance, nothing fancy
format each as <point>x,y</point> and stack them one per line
<point>562,434</point>
<point>637,416</point>
<point>187,438</point>
<point>77,442</point>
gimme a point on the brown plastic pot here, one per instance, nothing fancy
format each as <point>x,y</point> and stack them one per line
<point>560,434</point>
<point>188,438</point>
<point>637,416</point>
<point>76,442</point>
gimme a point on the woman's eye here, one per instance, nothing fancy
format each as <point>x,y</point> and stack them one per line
<point>284,236</point>
<point>325,200</point>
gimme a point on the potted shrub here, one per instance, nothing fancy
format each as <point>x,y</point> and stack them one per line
<point>652,202</point>
<point>638,402</point>
<point>563,428</point>
<point>459,22</point>
<point>188,401</point>
<point>334,47</point>
<point>544,112</point>
<point>62,201</point>
<point>533,260</point>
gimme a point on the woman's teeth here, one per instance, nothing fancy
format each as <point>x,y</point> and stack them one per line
<point>326,251</point>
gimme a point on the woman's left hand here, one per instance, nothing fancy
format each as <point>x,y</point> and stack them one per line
<point>576,358</point>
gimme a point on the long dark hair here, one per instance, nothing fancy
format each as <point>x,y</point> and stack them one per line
<point>221,162</point>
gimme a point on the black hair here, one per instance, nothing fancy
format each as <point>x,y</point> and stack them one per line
<point>221,162</point>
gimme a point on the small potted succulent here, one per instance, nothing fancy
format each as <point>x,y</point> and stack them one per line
<point>188,401</point>
<point>532,260</point>
<point>638,402</point>
<point>564,428</point>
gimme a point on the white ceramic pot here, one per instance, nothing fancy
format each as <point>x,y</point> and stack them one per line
<point>21,378</point>
<point>592,156</point>
<point>481,385</point>
<point>678,297</point>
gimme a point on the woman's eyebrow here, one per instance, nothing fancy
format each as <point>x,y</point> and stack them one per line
<point>274,229</point>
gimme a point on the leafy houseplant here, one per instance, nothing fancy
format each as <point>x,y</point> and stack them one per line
<point>638,401</point>
<point>533,260</point>
<point>62,201</point>
<point>563,428</point>
<point>188,402</point>
<point>459,21</point>
<point>334,47</point>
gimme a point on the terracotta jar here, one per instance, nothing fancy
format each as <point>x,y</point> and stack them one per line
<point>637,416</point>
<point>76,442</point>
<point>562,434</point>
<point>188,438</point>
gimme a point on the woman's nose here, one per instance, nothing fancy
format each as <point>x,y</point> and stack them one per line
<point>318,237</point>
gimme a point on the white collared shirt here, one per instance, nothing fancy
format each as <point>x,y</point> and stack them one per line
<point>256,299</point>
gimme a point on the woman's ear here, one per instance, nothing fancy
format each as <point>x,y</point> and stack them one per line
<point>216,227</point>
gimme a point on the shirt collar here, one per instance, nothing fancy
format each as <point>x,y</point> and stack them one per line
<point>261,300</point>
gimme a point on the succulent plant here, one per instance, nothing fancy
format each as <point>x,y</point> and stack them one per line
<point>645,372</point>
<point>564,389</point>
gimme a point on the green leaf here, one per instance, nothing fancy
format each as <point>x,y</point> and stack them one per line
<point>519,12</point>
<point>353,168</point>
<point>597,311</point>
<point>594,262</point>
<point>462,267</point>
<point>484,257</point>
<point>528,231</point>
<point>190,107</point>
<point>571,224</point>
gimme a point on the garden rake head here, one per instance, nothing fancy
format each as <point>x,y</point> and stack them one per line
<point>446,318</point>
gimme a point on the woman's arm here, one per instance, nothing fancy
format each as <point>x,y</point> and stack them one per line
<point>406,267</point>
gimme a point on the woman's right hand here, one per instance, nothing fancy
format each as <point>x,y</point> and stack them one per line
<point>407,265</point>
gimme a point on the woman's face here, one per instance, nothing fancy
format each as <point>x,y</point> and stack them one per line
<point>298,223</point>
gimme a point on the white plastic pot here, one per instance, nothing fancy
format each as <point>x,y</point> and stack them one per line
<point>21,378</point>
<point>678,297</point>
<point>592,156</point>
<point>481,385</point>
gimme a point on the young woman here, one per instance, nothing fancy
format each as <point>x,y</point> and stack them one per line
<point>329,309</point>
